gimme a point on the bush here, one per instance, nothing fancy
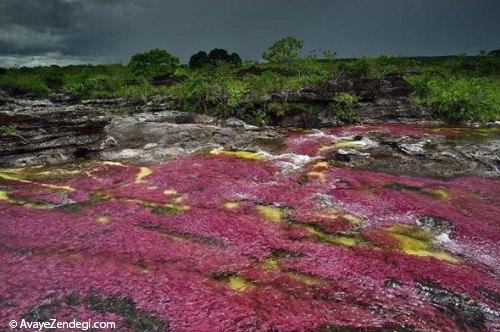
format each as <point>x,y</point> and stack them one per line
<point>343,107</point>
<point>457,99</point>
<point>17,83</point>
<point>53,77</point>
<point>7,129</point>
<point>212,90</point>
<point>284,50</point>
<point>362,67</point>
<point>153,63</point>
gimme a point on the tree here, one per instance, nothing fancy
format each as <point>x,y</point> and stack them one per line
<point>216,57</point>
<point>235,59</point>
<point>152,63</point>
<point>199,59</point>
<point>283,50</point>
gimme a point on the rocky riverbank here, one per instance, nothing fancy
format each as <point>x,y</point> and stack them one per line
<point>60,129</point>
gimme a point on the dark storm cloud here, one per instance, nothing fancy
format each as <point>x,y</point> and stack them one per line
<point>118,28</point>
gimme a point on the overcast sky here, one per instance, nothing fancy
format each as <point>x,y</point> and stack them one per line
<point>64,31</point>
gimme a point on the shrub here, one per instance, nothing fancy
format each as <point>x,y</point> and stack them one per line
<point>7,129</point>
<point>53,77</point>
<point>284,50</point>
<point>152,63</point>
<point>362,67</point>
<point>212,90</point>
<point>17,83</point>
<point>457,99</point>
<point>343,107</point>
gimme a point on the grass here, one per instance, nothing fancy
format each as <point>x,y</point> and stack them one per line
<point>457,88</point>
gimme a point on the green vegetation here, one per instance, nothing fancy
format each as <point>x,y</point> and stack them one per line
<point>7,130</point>
<point>457,99</point>
<point>343,107</point>
<point>216,57</point>
<point>457,88</point>
<point>154,62</point>
<point>285,50</point>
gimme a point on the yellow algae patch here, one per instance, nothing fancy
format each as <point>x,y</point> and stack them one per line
<point>330,214</point>
<point>5,197</point>
<point>342,144</point>
<point>326,148</point>
<point>347,144</point>
<point>249,155</point>
<point>418,242</point>
<point>180,198</point>
<point>441,194</point>
<point>238,284</point>
<point>271,213</point>
<point>59,172</point>
<point>143,172</point>
<point>113,163</point>
<point>152,188</point>
<point>355,220</point>
<point>332,239</point>
<point>320,175</point>
<point>102,220</point>
<point>45,185</point>
<point>304,278</point>
<point>271,264</point>
<point>320,164</point>
<point>231,205</point>
<point>170,208</point>
<point>169,192</point>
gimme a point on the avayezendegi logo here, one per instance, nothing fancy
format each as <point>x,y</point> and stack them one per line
<point>54,324</point>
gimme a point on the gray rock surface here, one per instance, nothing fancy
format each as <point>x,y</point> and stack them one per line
<point>434,156</point>
<point>47,133</point>
<point>159,136</point>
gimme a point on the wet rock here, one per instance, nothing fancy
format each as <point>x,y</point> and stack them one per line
<point>436,225</point>
<point>162,135</point>
<point>235,122</point>
<point>63,98</point>
<point>310,121</point>
<point>436,156</point>
<point>47,133</point>
<point>464,311</point>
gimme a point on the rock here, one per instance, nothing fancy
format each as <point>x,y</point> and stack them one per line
<point>436,225</point>
<point>235,122</point>
<point>63,98</point>
<point>435,156</point>
<point>380,99</point>
<point>47,133</point>
<point>160,136</point>
<point>168,79</point>
<point>464,311</point>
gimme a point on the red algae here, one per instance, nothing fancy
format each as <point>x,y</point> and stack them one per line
<point>220,242</point>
